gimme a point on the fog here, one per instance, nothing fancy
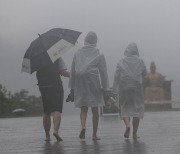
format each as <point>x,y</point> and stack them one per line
<point>152,24</point>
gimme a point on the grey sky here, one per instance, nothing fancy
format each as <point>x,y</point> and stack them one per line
<point>152,24</point>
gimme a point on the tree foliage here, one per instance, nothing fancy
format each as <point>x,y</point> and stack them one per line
<point>8,102</point>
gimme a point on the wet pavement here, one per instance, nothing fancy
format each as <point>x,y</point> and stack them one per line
<point>159,134</point>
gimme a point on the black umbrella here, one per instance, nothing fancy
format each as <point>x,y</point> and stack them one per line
<point>47,48</point>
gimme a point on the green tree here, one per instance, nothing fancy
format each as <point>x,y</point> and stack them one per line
<point>5,104</point>
<point>32,104</point>
<point>22,99</point>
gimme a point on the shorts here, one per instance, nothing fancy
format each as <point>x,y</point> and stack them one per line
<point>52,98</point>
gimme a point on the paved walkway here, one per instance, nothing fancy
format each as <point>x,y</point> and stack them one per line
<point>159,134</point>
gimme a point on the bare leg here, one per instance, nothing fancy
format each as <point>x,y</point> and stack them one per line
<point>95,120</point>
<point>83,116</point>
<point>127,123</point>
<point>135,122</point>
<point>47,125</point>
<point>57,121</point>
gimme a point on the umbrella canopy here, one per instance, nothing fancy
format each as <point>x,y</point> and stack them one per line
<point>47,48</point>
<point>18,110</point>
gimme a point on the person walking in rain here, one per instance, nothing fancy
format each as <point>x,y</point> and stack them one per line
<point>51,89</point>
<point>128,79</point>
<point>88,80</point>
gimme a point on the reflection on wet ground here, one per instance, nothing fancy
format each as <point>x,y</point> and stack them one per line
<point>52,148</point>
<point>128,147</point>
<point>134,147</point>
<point>158,131</point>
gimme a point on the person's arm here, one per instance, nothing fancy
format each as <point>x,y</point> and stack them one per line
<point>116,80</point>
<point>72,74</point>
<point>145,79</point>
<point>65,73</point>
<point>63,69</point>
<point>103,73</point>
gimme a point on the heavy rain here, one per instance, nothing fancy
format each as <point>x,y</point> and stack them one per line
<point>153,25</point>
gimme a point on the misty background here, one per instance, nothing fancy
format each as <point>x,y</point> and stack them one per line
<point>153,24</point>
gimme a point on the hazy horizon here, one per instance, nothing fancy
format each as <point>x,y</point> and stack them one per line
<point>152,24</point>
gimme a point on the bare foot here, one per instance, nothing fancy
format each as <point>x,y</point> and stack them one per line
<point>96,138</point>
<point>82,133</point>
<point>58,138</point>
<point>127,132</point>
<point>47,138</point>
<point>135,137</point>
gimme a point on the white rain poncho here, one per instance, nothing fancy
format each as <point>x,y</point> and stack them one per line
<point>89,74</point>
<point>127,82</point>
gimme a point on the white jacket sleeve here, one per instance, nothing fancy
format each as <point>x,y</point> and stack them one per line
<point>116,81</point>
<point>103,72</point>
<point>72,75</point>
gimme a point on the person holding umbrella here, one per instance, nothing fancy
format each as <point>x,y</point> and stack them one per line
<point>88,80</point>
<point>51,89</point>
<point>44,57</point>
<point>128,78</point>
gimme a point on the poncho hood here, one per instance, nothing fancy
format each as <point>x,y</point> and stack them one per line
<point>91,39</point>
<point>131,50</point>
